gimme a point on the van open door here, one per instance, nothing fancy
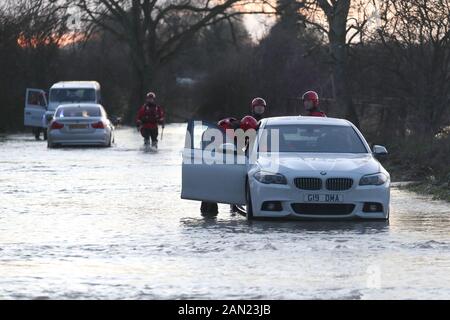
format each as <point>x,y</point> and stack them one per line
<point>35,107</point>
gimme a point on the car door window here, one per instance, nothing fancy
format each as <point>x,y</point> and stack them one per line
<point>200,133</point>
<point>36,98</point>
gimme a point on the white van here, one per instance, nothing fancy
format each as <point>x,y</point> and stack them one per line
<point>39,109</point>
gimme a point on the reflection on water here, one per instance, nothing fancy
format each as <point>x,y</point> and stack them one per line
<point>80,223</point>
<point>281,226</point>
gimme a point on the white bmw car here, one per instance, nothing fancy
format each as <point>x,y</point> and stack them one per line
<point>297,167</point>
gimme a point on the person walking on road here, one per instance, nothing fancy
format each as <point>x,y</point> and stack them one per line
<point>149,116</point>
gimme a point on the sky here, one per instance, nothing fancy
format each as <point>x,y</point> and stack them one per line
<point>258,25</point>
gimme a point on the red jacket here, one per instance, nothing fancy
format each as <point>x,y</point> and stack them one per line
<point>150,116</point>
<point>317,114</point>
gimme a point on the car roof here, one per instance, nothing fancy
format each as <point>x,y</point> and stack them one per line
<point>80,105</point>
<point>76,85</point>
<point>307,120</point>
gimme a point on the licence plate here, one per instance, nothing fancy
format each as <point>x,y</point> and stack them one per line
<point>327,198</point>
<point>78,126</point>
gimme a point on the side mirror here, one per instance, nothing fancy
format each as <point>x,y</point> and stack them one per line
<point>379,151</point>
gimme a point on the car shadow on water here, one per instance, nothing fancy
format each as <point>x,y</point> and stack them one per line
<point>237,224</point>
<point>76,147</point>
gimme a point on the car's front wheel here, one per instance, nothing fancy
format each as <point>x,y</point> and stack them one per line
<point>248,203</point>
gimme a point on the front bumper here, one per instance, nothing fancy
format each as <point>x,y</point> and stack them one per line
<point>291,197</point>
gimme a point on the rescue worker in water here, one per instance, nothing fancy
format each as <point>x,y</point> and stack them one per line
<point>149,116</point>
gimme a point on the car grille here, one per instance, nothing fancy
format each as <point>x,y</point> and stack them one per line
<point>332,184</point>
<point>339,184</point>
<point>308,183</point>
<point>320,209</point>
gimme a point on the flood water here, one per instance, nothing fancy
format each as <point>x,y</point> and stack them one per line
<point>88,223</point>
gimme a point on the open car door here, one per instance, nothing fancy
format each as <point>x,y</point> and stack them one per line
<point>206,180</point>
<point>35,107</point>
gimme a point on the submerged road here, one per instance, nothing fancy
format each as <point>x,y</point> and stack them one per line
<point>87,223</point>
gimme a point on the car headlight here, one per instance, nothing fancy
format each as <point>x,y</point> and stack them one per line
<point>270,178</point>
<point>373,179</point>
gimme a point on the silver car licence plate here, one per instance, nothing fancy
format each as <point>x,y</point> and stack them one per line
<point>326,198</point>
<point>78,126</point>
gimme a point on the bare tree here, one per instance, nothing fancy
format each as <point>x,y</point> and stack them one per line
<point>155,30</point>
<point>416,34</point>
<point>343,22</point>
<point>41,22</point>
<point>30,32</point>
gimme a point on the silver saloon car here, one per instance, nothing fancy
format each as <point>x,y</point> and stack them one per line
<point>80,125</point>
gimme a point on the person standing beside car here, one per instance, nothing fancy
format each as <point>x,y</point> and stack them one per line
<point>228,125</point>
<point>258,108</point>
<point>311,104</point>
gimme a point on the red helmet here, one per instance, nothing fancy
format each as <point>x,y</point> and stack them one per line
<point>227,123</point>
<point>311,96</point>
<point>249,122</point>
<point>258,102</point>
<point>151,95</point>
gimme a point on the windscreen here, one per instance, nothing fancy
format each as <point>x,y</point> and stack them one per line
<point>72,95</point>
<point>311,138</point>
<point>77,112</point>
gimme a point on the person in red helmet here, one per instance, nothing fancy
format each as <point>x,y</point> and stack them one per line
<point>246,123</point>
<point>311,103</point>
<point>149,116</point>
<point>259,108</point>
<point>228,123</point>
